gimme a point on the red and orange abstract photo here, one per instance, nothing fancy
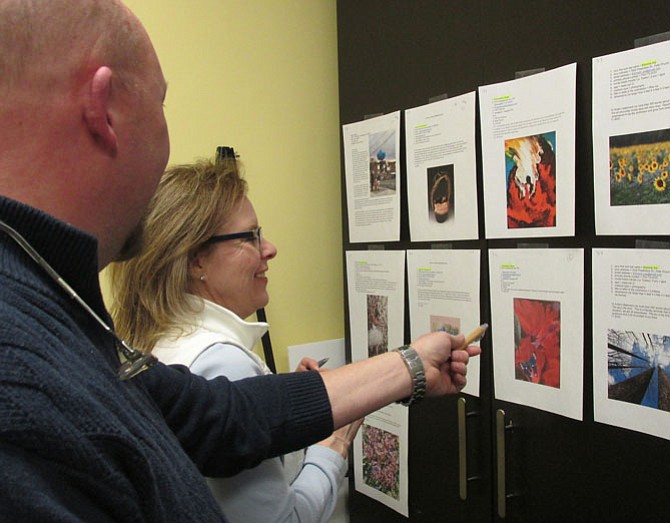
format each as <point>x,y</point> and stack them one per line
<point>530,164</point>
<point>537,341</point>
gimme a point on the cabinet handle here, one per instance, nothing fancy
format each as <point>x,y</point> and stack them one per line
<point>501,427</point>
<point>462,451</point>
<point>463,477</point>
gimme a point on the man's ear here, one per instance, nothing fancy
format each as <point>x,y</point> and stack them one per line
<point>96,110</point>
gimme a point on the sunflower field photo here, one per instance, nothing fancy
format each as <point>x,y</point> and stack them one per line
<point>639,166</point>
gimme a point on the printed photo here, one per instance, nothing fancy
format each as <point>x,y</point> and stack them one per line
<point>445,323</point>
<point>440,193</point>
<point>377,324</point>
<point>381,461</point>
<point>537,341</point>
<point>638,364</point>
<point>530,164</point>
<point>639,165</point>
<point>382,163</point>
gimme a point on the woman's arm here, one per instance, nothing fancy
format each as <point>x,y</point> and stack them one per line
<point>310,496</point>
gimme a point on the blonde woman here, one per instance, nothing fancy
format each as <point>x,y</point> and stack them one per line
<point>185,296</point>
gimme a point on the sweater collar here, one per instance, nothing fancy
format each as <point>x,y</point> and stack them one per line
<point>71,252</point>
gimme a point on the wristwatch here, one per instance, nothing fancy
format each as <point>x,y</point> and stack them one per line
<point>416,371</point>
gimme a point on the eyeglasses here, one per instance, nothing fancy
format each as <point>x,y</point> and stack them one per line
<point>252,235</point>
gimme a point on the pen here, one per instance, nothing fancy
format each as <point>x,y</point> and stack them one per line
<point>322,362</point>
<point>475,335</point>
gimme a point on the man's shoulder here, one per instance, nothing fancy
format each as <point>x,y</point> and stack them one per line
<point>32,313</point>
<point>49,363</point>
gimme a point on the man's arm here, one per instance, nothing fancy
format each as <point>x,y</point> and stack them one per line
<point>228,426</point>
<point>365,386</point>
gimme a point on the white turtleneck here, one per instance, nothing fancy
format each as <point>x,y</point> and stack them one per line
<point>213,324</point>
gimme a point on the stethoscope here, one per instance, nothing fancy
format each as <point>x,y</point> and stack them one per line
<point>133,360</point>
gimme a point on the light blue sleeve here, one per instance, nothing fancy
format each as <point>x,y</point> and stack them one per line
<point>317,485</point>
<point>263,494</point>
<point>222,359</point>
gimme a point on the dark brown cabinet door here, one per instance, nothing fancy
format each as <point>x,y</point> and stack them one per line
<point>522,463</point>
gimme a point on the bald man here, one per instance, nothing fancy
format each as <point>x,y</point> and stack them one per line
<point>84,437</point>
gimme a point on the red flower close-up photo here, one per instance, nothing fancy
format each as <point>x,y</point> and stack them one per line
<point>537,341</point>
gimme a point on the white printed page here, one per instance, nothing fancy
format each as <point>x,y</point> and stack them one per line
<point>381,457</point>
<point>631,339</point>
<point>631,141</point>
<point>442,170</point>
<point>376,290</point>
<point>444,295</point>
<point>537,313</point>
<point>330,352</point>
<point>372,173</point>
<point>528,155</point>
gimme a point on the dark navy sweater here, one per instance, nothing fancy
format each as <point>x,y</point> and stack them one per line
<point>78,444</point>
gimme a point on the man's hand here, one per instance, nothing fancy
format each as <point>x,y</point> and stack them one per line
<point>444,363</point>
<point>360,388</point>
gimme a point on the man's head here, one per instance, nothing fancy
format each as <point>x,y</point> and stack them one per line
<point>82,131</point>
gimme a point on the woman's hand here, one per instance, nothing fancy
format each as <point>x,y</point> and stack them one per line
<point>340,441</point>
<point>307,364</point>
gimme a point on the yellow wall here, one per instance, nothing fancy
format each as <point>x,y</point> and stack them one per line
<point>261,76</point>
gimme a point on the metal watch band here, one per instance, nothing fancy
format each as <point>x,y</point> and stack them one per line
<point>416,371</point>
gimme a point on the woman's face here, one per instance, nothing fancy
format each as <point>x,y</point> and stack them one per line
<point>231,273</point>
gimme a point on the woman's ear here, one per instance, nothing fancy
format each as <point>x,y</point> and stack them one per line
<point>96,110</point>
<point>195,264</point>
